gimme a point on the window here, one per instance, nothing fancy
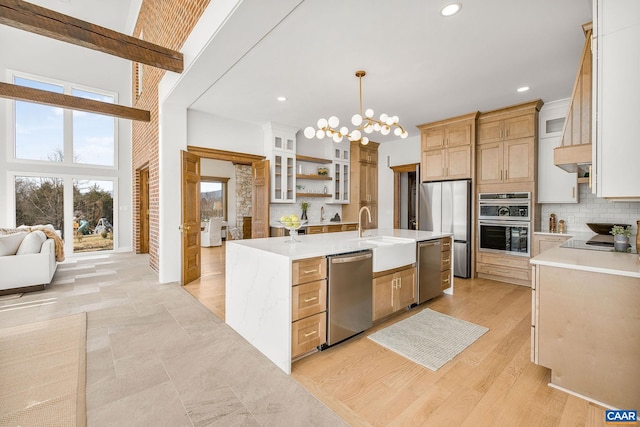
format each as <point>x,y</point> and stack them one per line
<point>55,134</point>
<point>39,201</point>
<point>92,215</point>
<point>213,198</point>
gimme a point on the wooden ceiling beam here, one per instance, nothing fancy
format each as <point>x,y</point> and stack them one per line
<point>39,20</point>
<point>22,93</point>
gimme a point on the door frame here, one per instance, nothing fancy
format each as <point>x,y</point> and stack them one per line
<point>143,209</point>
<point>397,170</point>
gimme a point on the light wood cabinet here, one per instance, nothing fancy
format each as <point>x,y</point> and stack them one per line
<point>543,242</point>
<point>393,291</point>
<point>505,162</point>
<point>447,148</point>
<point>504,268</point>
<point>364,183</point>
<point>308,305</point>
<point>496,129</point>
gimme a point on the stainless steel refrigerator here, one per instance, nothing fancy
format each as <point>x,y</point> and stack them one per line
<point>445,206</point>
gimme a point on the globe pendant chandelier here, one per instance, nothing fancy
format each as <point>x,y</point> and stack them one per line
<point>364,124</point>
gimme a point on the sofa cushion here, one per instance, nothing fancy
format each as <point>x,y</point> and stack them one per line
<point>9,243</point>
<point>32,243</point>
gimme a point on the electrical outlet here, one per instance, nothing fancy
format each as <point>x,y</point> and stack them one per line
<point>571,219</point>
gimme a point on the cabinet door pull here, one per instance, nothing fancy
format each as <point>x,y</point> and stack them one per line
<point>573,192</point>
<point>446,244</point>
<point>506,174</point>
<point>315,270</point>
<point>310,333</point>
<point>446,260</point>
<point>310,299</point>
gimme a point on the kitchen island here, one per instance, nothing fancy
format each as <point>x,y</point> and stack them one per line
<point>586,323</point>
<point>259,282</point>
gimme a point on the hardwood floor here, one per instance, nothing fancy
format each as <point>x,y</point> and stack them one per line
<point>491,383</point>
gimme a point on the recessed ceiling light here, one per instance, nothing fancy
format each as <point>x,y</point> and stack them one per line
<point>451,9</point>
<point>282,98</point>
<point>523,89</point>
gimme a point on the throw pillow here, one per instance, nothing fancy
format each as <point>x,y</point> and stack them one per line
<point>32,243</point>
<point>9,243</point>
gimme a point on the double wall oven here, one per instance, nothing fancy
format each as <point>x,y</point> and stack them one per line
<point>504,223</point>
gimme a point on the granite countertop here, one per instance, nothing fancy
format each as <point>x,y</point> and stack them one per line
<point>330,243</point>
<point>617,263</point>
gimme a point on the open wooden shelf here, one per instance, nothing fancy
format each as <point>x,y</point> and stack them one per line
<point>583,180</point>
<point>301,158</point>
<point>313,195</point>
<point>314,177</point>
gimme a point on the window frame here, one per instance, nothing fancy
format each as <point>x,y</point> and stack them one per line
<point>225,183</point>
<point>67,148</point>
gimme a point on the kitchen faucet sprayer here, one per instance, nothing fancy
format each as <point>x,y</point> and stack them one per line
<point>364,208</point>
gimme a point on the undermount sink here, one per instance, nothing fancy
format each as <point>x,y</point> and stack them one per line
<point>391,252</point>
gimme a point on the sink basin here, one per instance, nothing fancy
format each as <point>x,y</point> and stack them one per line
<point>391,252</point>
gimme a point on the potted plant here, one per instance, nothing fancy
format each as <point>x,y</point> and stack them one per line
<point>304,206</point>
<point>620,236</point>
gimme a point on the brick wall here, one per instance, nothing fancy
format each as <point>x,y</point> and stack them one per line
<point>168,24</point>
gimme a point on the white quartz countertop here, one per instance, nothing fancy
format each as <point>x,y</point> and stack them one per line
<point>276,224</point>
<point>330,243</point>
<point>548,233</point>
<point>617,263</point>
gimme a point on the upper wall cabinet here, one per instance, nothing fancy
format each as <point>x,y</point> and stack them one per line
<point>554,184</point>
<point>447,148</point>
<point>280,147</point>
<point>616,64</point>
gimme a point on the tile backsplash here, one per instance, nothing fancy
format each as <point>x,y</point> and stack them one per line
<point>591,209</point>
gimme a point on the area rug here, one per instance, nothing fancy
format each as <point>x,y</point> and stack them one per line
<point>43,373</point>
<point>429,338</point>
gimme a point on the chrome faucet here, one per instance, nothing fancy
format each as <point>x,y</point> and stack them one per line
<point>321,213</point>
<point>364,208</point>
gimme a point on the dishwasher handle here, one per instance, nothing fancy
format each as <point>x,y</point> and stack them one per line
<point>429,243</point>
<point>354,258</point>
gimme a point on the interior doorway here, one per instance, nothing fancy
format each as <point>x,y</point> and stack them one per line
<point>405,196</point>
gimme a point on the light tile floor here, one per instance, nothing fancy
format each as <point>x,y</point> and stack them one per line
<point>156,356</point>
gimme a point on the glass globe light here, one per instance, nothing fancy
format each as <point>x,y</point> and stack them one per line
<point>396,119</point>
<point>404,134</point>
<point>368,113</point>
<point>319,134</point>
<point>385,130</point>
<point>337,138</point>
<point>397,131</point>
<point>384,117</point>
<point>389,121</point>
<point>322,123</point>
<point>376,127</point>
<point>309,132</point>
<point>355,135</point>
<point>356,119</point>
<point>364,141</point>
<point>344,130</point>
<point>368,129</point>
<point>334,122</point>
<point>329,133</point>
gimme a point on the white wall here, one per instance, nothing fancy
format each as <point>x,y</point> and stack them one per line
<point>394,153</point>
<point>207,130</point>
<point>30,53</point>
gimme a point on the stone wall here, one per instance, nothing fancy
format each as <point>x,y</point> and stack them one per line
<point>244,185</point>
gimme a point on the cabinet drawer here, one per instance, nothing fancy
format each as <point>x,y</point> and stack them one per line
<point>446,244</point>
<point>445,260</point>
<point>308,270</point>
<point>308,299</point>
<point>333,228</point>
<point>349,227</point>
<point>504,271</point>
<point>504,260</point>
<point>308,333</point>
<point>445,279</point>
<point>315,229</point>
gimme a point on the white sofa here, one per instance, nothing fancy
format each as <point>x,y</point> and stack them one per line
<point>28,272</point>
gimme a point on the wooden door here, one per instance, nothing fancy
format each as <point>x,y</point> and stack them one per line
<point>433,138</point>
<point>432,165</point>
<point>406,287</point>
<point>519,127</point>
<point>458,162</point>
<point>190,217</point>
<point>490,131</point>
<point>260,199</point>
<point>143,220</point>
<point>518,160</point>
<point>489,163</point>
<point>383,295</point>
<point>458,135</point>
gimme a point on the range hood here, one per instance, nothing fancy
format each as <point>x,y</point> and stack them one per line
<point>573,158</point>
<point>574,153</point>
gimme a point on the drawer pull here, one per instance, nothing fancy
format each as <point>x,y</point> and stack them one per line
<point>315,270</point>
<point>310,333</point>
<point>310,299</point>
<point>446,244</point>
<point>446,281</point>
<point>446,260</point>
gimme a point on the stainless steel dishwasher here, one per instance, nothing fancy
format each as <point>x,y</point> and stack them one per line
<point>350,289</point>
<point>429,286</point>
